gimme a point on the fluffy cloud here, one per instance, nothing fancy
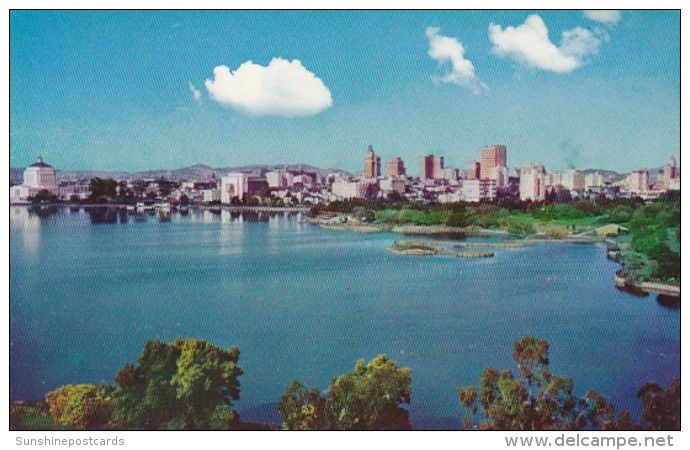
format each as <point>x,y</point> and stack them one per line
<point>529,44</point>
<point>283,88</point>
<point>608,17</point>
<point>195,92</point>
<point>443,49</point>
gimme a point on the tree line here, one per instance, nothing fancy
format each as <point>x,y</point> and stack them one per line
<point>190,384</point>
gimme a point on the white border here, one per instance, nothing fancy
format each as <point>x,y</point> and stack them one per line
<point>418,440</point>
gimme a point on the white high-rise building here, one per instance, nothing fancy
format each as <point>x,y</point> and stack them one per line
<point>594,180</point>
<point>554,179</point>
<point>279,179</point>
<point>233,185</point>
<point>638,181</point>
<point>532,186</point>
<point>574,180</point>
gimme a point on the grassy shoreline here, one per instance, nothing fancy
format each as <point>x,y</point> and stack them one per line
<point>649,251</point>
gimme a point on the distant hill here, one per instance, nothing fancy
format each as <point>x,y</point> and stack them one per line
<point>195,172</point>
<point>609,175</point>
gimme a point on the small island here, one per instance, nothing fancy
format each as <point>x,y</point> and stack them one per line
<point>419,248</point>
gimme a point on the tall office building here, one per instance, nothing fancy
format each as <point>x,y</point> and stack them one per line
<point>233,185</point>
<point>638,181</point>
<point>395,168</point>
<point>532,186</point>
<point>430,167</point>
<point>573,180</point>
<point>473,170</point>
<point>372,164</point>
<point>490,158</point>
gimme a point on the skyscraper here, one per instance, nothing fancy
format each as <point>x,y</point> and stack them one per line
<point>532,182</point>
<point>395,168</point>
<point>430,167</point>
<point>372,164</point>
<point>490,158</point>
<point>473,170</point>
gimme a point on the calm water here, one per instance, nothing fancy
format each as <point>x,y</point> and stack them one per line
<point>306,303</point>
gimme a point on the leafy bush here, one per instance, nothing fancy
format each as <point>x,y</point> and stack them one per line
<point>81,406</point>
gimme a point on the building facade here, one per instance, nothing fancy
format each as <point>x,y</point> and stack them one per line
<point>395,168</point>
<point>430,167</point>
<point>532,186</point>
<point>233,185</point>
<point>492,157</point>
<point>638,181</point>
<point>372,164</point>
<point>38,177</point>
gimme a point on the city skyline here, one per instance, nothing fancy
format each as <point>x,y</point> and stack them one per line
<point>602,93</point>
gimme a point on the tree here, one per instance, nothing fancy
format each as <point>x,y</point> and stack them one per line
<point>368,398</point>
<point>535,399</point>
<point>300,408</point>
<point>43,195</point>
<point>660,407</point>
<point>189,384</point>
<point>102,190</point>
<point>81,406</point>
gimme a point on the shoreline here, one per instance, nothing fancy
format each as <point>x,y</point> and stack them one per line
<point>519,241</point>
<point>295,209</point>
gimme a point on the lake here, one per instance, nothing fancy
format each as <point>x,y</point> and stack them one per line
<point>87,290</point>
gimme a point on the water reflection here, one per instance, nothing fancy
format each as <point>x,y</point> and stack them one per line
<point>668,302</point>
<point>29,226</point>
<point>43,211</point>
<point>100,215</point>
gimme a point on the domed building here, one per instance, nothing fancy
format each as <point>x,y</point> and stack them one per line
<point>38,177</point>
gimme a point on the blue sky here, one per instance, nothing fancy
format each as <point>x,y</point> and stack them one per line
<point>111,90</point>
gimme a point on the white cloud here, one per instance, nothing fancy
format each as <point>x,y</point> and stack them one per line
<point>444,49</point>
<point>195,92</point>
<point>605,16</point>
<point>283,88</point>
<point>529,44</point>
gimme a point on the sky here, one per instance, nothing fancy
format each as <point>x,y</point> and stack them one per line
<point>128,90</point>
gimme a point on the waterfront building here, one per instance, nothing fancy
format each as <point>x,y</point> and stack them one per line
<point>233,185</point>
<point>532,182</point>
<point>395,168</point>
<point>492,157</point>
<point>256,185</point>
<point>210,195</point>
<point>611,229</point>
<point>366,188</point>
<point>304,180</point>
<point>279,179</point>
<point>372,164</point>
<point>38,177</point>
